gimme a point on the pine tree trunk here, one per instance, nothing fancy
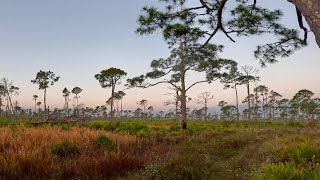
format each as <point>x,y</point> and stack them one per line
<point>0,105</point>
<point>205,110</point>
<point>121,109</point>
<point>183,99</point>
<point>35,105</point>
<point>112,95</point>
<point>237,99</point>
<point>177,104</point>
<point>45,104</point>
<point>311,11</point>
<point>249,108</point>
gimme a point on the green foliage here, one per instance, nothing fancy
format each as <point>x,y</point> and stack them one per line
<point>64,126</point>
<point>154,171</point>
<point>132,128</point>
<point>300,161</point>
<point>45,78</point>
<point>281,171</point>
<point>65,149</point>
<point>302,153</point>
<point>315,175</point>
<point>76,90</point>
<point>110,77</point>
<point>103,142</point>
<point>294,124</point>
<point>243,18</point>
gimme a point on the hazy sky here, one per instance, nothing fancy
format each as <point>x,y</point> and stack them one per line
<point>77,39</point>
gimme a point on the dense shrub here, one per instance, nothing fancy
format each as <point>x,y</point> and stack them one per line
<point>103,142</point>
<point>64,149</point>
<point>281,171</point>
<point>131,128</point>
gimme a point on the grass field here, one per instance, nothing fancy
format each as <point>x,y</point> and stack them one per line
<point>161,150</point>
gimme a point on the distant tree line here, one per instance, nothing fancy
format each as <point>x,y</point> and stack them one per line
<point>262,102</point>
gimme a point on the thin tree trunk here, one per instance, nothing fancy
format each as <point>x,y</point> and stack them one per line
<point>67,103</point>
<point>121,109</point>
<point>45,104</point>
<point>177,103</point>
<point>35,105</point>
<point>0,105</point>
<point>183,99</point>
<point>267,106</point>
<point>112,95</point>
<point>249,108</point>
<point>237,99</point>
<point>117,108</point>
<point>11,105</point>
<point>205,109</point>
<point>311,11</point>
<point>77,104</point>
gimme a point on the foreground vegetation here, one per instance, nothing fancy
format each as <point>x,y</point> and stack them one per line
<point>161,150</point>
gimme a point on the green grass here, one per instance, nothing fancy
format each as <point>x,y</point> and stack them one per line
<point>206,150</point>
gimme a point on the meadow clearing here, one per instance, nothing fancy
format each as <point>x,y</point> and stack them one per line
<point>161,150</point>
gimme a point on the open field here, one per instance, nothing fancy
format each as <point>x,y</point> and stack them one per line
<point>161,150</point>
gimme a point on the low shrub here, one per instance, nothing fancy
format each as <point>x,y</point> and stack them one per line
<point>65,149</point>
<point>301,153</point>
<point>65,127</point>
<point>103,142</point>
<point>281,171</point>
<point>294,124</point>
<point>131,128</point>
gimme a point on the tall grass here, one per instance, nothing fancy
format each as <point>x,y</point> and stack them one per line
<point>54,153</point>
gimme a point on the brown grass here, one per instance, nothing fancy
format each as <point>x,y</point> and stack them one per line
<point>26,152</point>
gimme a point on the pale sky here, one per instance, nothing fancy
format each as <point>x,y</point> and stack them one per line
<point>76,39</point>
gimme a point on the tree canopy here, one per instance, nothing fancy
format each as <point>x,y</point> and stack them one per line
<point>240,18</point>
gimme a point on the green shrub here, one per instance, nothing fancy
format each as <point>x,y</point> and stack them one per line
<point>281,171</point>
<point>65,127</point>
<point>226,124</point>
<point>175,127</point>
<point>65,149</point>
<point>112,126</point>
<point>294,124</point>
<point>106,143</point>
<point>96,125</point>
<point>315,175</point>
<point>301,153</point>
<point>132,128</point>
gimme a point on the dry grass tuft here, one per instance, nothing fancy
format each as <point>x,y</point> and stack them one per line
<point>27,152</point>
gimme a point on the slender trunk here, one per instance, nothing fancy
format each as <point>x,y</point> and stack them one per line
<point>183,98</point>
<point>177,103</point>
<point>311,11</point>
<point>35,105</point>
<point>267,106</point>
<point>0,105</point>
<point>205,110</point>
<point>273,113</point>
<point>308,111</point>
<point>121,109</point>
<point>77,104</point>
<point>112,95</point>
<point>237,99</point>
<point>11,106</point>
<point>144,110</point>
<point>67,104</point>
<point>249,107</point>
<point>45,104</point>
<point>117,108</point>
<point>263,107</point>
<point>254,107</point>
